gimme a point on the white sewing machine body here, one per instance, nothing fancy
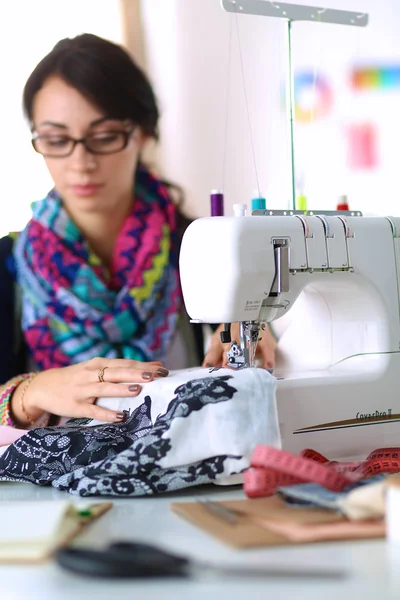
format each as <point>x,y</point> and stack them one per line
<point>337,389</point>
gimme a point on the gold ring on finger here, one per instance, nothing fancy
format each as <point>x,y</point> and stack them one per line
<point>100,374</point>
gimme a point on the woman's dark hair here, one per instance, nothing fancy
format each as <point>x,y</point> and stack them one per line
<point>108,77</point>
<point>104,73</point>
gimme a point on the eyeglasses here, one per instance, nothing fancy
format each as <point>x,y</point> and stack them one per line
<point>61,146</point>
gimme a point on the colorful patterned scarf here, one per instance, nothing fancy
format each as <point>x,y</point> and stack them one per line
<point>74,309</point>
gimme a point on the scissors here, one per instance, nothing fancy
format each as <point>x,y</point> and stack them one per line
<point>139,560</point>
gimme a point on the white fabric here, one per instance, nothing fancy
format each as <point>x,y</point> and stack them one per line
<point>231,427</point>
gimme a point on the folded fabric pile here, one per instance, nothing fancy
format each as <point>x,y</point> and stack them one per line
<point>196,426</point>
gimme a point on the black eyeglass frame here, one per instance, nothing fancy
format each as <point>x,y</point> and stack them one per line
<point>83,140</point>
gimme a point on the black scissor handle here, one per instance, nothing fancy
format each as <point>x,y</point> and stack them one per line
<point>123,559</point>
<point>148,552</point>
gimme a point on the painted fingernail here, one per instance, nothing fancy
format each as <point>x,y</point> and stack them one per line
<point>162,372</point>
<point>120,416</point>
<point>147,375</point>
<point>134,388</point>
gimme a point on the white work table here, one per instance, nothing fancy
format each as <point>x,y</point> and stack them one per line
<point>374,570</point>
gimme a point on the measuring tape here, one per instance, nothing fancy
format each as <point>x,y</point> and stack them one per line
<point>273,468</point>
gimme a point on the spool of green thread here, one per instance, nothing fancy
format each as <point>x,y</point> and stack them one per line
<point>302,202</point>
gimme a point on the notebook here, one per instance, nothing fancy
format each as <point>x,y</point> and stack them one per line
<point>31,531</point>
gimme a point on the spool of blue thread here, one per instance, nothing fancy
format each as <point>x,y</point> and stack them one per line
<point>258,203</point>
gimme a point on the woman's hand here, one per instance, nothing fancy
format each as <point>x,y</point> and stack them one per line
<point>72,391</point>
<point>216,355</point>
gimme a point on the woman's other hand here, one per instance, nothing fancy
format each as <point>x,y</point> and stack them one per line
<point>216,354</point>
<point>72,391</point>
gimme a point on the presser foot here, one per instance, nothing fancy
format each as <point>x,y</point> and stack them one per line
<point>236,357</point>
<point>242,355</point>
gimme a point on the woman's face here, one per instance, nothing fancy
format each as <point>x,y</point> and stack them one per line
<point>86,182</point>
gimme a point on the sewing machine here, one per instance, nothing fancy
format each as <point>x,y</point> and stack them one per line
<point>337,279</point>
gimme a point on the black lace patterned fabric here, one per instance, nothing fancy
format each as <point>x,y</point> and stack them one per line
<point>123,459</point>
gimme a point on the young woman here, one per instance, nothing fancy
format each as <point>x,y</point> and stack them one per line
<point>97,265</point>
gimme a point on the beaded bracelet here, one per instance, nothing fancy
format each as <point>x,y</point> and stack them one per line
<point>6,392</point>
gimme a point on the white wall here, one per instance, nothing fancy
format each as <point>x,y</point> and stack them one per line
<point>187,50</point>
<point>187,47</point>
<point>323,146</point>
<point>187,44</point>
<point>28,30</point>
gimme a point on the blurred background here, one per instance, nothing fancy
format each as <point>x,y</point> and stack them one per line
<point>220,81</point>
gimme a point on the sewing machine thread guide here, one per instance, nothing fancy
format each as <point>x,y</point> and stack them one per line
<point>296,12</point>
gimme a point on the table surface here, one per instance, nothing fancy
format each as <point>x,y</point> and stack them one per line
<point>373,566</point>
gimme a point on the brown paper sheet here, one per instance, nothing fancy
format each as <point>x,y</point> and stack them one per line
<point>271,522</point>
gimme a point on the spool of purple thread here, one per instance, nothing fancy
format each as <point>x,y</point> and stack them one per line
<point>217,203</point>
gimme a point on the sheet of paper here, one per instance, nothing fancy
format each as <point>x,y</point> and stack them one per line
<point>31,521</point>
